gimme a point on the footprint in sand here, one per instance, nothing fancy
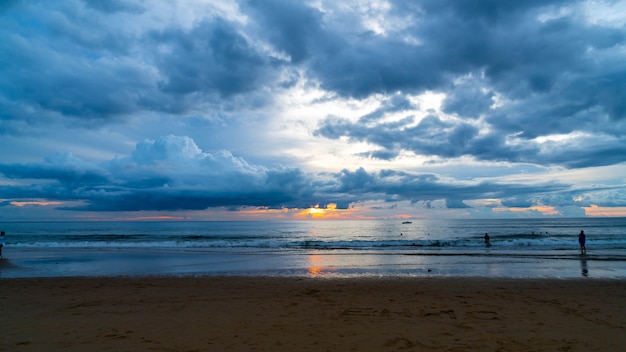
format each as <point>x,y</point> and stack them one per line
<point>449,313</point>
<point>482,315</point>
<point>400,342</point>
<point>364,312</point>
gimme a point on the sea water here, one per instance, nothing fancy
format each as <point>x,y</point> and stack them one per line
<point>329,248</point>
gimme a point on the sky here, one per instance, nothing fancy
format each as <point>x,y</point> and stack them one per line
<point>322,109</point>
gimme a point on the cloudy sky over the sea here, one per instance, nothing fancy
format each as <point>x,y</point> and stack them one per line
<point>276,109</point>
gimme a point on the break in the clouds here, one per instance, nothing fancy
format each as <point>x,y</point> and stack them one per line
<point>283,104</point>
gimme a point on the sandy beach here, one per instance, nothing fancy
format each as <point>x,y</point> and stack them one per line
<point>308,314</point>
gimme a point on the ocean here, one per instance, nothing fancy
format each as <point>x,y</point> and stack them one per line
<point>520,248</point>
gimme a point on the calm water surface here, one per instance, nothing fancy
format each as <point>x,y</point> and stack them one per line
<point>520,248</point>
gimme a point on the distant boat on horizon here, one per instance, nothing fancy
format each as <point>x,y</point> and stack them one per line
<point>407,222</point>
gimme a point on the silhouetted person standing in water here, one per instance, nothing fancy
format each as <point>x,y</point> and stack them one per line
<point>487,243</point>
<point>1,243</point>
<point>581,240</point>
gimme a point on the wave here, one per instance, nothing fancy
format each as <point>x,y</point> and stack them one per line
<point>142,241</point>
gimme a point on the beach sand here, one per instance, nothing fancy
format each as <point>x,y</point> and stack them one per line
<point>308,314</point>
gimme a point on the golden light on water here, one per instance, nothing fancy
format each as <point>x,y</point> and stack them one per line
<point>315,265</point>
<point>315,270</point>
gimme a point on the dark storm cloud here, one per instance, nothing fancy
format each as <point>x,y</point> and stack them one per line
<point>62,60</point>
<point>212,58</point>
<point>114,6</point>
<point>397,103</point>
<point>293,27</point>
<point>431,136</point>
<point>392,185</point>
<point>64,167</point>
<point>468,99</point>
<point>553,76</point>
<point>518,53</point>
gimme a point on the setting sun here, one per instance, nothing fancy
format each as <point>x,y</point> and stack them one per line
<point>329,211</point>
<point>313,212</point>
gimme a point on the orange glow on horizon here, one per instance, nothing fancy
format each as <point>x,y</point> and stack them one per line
<point>314,211</point>
<point>39,203</point>
<point>148,218</point>
<point>595,210</point>
<point>321,213</point>
<point>543,209</point>
<point>327,213</point>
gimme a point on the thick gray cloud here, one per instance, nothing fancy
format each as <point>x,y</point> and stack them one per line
<point>469,99</point>
<point>114,6</point>
<point>170,173</point>
<point>293,27</point>
<point>210,58</point>
<point>69,62</point>
<point>62,62</point>
<point>403,186</point>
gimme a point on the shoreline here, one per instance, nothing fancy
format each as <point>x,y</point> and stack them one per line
<point>91,262</point>
<point>165,313</point>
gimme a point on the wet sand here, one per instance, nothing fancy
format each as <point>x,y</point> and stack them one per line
<point>309,314</point>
